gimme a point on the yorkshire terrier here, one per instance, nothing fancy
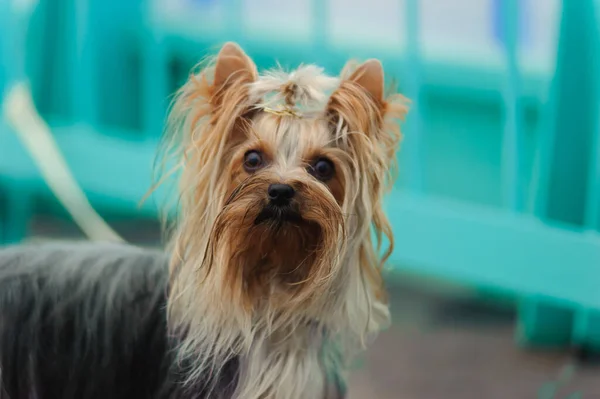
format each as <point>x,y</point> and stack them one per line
<point>272,281</point>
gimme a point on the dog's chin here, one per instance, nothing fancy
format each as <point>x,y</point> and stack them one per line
<point>276,215</point>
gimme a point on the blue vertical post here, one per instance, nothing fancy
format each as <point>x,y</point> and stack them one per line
<point>5,79</point>
<point>542,162</point>
<point>512,151</point>
<point>320,23</point>
<point>4,47</point>
<point>587,325</point>
<point>14,23</point>
<point>592,211</point>
<point>18,199</point>
<point>412,78</point>
<point>575,96</point>
<point>155,83</point>
<point>592,205</point>
<point>83,89</point>
<point>540,179</point>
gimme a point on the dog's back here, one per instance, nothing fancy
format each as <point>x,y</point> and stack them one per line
<point>82,321</point>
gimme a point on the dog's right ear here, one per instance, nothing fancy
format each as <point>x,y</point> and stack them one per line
<point>233,66</point>
<point>369,76</point>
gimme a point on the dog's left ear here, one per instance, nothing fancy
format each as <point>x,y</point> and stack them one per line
<point>359,100</point>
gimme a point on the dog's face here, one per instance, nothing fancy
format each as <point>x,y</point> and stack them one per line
<point>283,179</point>
<point>282,214</point>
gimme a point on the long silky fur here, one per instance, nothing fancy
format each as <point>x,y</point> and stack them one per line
<point>83,321</point>
<point>221,329</point>
<point>285,351</point>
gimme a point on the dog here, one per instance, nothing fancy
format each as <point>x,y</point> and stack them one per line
<point>271,281</point>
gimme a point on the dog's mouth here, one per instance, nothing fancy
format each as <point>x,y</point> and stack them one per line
<point>278,214</point>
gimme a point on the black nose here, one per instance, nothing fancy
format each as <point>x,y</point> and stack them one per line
<point>280,194</point>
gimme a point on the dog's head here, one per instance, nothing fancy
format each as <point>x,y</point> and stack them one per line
<point>282,182</point>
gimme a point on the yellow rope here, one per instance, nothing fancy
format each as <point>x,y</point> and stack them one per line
<point>37,138</point>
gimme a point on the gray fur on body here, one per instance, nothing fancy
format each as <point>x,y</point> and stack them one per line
<point>88,321</point>
<point>82,320</point>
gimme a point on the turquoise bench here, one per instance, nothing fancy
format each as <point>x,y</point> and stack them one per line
<point>500,177</point>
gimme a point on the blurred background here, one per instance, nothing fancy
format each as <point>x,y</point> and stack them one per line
<point>495,279</point>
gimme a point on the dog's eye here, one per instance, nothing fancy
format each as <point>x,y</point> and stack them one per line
<point>253,160</point>
<point>323,169</point>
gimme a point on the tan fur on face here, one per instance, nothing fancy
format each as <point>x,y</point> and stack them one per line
<point>261,290</point>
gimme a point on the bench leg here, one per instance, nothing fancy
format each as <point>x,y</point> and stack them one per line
<point>16,210</point>
<point>544,325</point>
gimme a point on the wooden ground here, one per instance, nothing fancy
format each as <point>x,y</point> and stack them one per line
<point>454,347</point>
